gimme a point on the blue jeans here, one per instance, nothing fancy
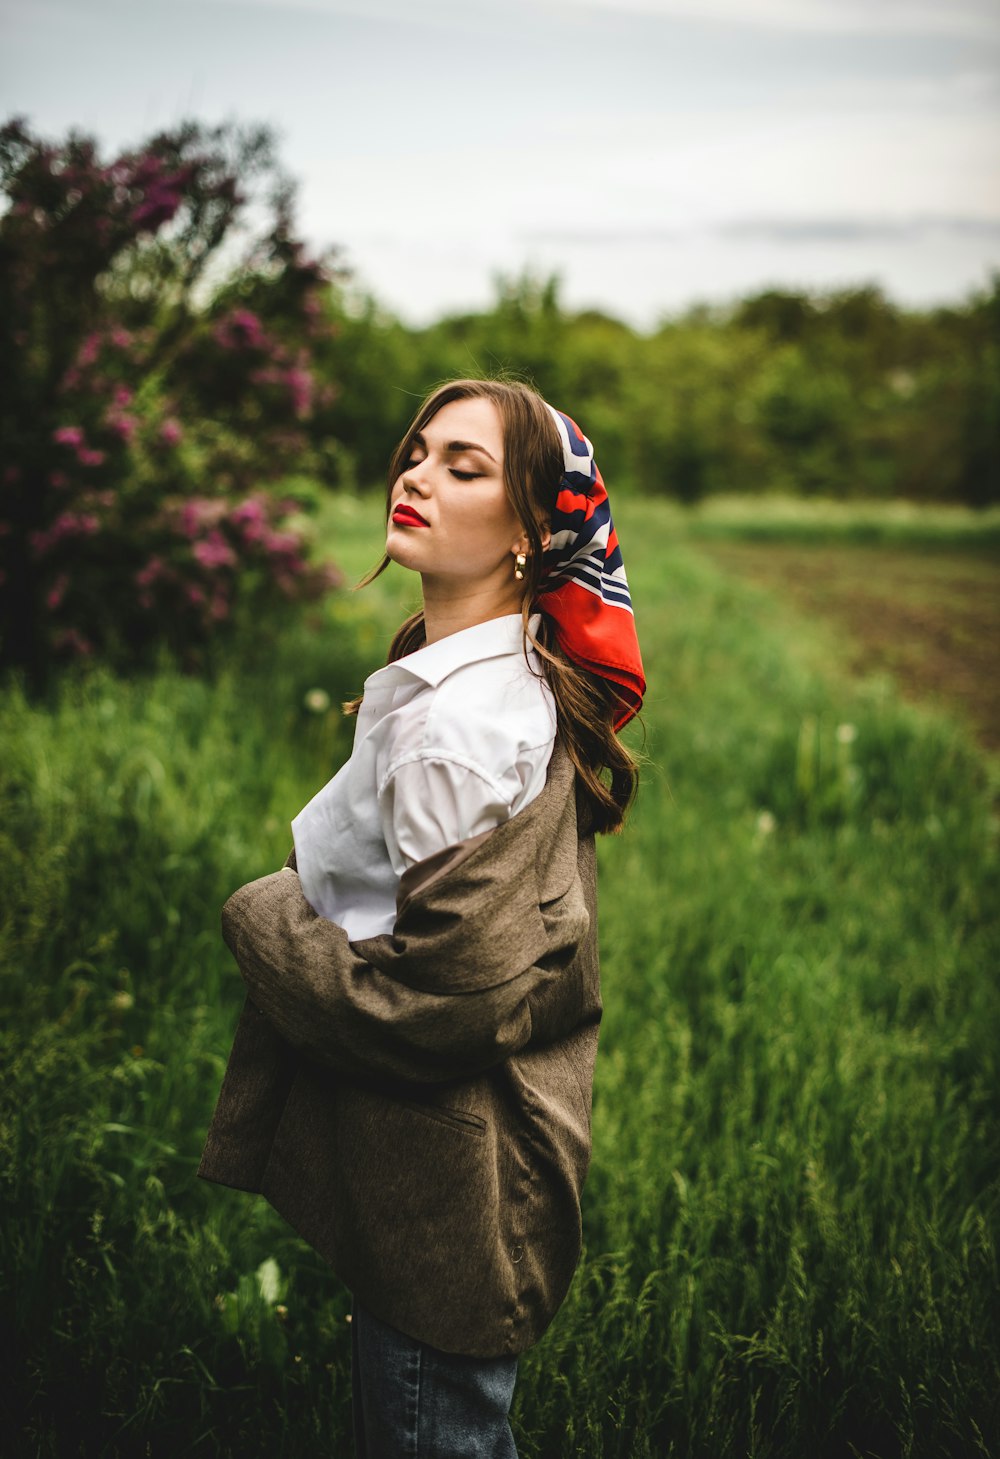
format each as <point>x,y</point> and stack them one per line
<point>411,1401</point>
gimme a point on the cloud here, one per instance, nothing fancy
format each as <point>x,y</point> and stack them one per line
<point>794,231</point>
<point>856,230</point>
<point>843,17</point>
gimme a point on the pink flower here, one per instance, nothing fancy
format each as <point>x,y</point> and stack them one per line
<point>241,329</point>
<point>68,436</point>
<point>89,350</point>
<point>158,207</point>
<point>190,518</point>
<point>300,387</point>
<point>171,432</point>
<point>122,395</point>
<point>267,375</point>
<point>121,338</point>
<point>70,641</point>
<point>199,512</point>
<point>214,551</point>
<point>57,592</point>
<point>250,510</point>
<point>283,544</point>
<point>123,425</point>
<point>66,525</point>
<point>249,325</point>
<point>163,195</point>
<point>59,480</point>
<point>149,574</point>
<point>194,594</point>
<point>89,457</point>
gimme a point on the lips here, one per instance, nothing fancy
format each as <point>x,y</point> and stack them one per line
<point>406,516</point>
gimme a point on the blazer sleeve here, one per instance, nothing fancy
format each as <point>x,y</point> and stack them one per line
<point>478,966</point>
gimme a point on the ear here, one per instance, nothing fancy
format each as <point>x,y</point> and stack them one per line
<point>523,543</point>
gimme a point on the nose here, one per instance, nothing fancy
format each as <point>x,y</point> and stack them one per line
<point>414,479</point>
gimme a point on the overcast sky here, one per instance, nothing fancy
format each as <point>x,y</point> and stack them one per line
<point>652,152</point>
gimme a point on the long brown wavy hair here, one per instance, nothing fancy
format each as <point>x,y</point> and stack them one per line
<point>586,706</point>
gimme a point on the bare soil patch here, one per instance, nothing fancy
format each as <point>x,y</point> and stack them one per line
<point>930,617</point>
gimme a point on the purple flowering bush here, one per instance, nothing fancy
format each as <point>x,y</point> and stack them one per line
<point>150,402</point>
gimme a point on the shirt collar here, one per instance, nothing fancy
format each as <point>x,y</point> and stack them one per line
<point>435,661</point>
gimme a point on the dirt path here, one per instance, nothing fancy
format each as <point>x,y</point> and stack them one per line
<point>930,617</point>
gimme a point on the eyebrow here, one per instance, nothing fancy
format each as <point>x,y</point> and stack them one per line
<point>454,447</point>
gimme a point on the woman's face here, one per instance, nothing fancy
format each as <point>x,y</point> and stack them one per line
<point>450,518</point>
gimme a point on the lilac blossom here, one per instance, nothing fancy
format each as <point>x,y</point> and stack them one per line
<point>214,551</point>
<point>151,573</point>
<point>71,641</point>
<point>199,512</point>
<point>57,592</point>
<point>65,526</point>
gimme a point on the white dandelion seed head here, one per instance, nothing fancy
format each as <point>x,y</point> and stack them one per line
<point>317,701</point>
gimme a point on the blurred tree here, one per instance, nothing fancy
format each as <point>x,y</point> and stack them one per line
<point>979,450</point>
<point>783,317</point>
<point>691,428</point>
<point>152,375</point>
<point>381,374</point>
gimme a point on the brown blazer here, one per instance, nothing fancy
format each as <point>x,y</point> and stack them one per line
<point>417,1105</point>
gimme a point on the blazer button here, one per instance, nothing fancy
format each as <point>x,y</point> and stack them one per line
<point>516,1253</point>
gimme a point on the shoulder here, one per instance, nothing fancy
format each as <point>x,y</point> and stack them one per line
<point>503,702</point>
<point>487,713</point>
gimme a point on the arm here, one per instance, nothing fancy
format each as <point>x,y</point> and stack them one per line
<point>447,996</point>
<point>493,946</point>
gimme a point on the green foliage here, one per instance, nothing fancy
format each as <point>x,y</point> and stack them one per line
<point>124,823</point>
<point>785,518</point>
<point>790,1219</point>
<point>841,395</point>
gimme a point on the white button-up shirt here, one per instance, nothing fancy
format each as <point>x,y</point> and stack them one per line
<point>450,741</point>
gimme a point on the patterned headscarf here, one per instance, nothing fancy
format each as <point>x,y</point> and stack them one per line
<point>583,586</point>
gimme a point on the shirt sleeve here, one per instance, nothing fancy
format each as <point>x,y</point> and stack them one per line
<point>433,801</point>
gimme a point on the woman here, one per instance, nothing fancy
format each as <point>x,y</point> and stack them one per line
<point>410,1080</point>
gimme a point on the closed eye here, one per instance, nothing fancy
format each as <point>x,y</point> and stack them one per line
<point>464,475</point>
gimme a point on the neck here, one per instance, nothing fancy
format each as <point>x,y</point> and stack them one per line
<point>447,611</point>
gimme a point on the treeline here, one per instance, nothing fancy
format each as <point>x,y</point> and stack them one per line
<point>181,381</point>
<point>841,394</point>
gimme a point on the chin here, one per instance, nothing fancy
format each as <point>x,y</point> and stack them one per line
<point>399,549</point>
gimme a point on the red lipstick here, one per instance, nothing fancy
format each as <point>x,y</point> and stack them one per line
<point>406,516</point>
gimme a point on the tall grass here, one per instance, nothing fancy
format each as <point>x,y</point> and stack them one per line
<point>792,1213</point>
<point>778,518</point>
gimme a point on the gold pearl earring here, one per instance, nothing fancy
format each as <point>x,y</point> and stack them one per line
<point>519,562</point>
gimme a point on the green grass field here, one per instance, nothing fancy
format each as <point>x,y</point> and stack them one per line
<point>791,1218</point>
